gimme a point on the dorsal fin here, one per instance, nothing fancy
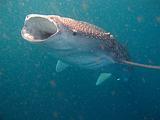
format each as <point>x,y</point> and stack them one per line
<point>140,65</point>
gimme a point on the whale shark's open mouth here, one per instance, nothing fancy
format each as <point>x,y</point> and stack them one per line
<point>37,29</point>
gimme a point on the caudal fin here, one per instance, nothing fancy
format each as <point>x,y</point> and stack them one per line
<point>140,65</point>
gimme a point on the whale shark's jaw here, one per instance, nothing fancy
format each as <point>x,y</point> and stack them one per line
<point>38,28</point>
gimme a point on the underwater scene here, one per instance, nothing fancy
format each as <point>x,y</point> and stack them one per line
<point>34,87</point>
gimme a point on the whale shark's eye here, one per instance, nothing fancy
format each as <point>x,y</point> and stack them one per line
<point>74,33</point>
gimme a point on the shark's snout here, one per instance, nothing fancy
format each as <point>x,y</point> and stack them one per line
<point>38,28</point>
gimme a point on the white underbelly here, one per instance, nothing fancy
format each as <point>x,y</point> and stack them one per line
<point>80,52</point>
<point>90,60</point>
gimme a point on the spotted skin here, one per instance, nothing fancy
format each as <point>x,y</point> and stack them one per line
<point>118,52</point>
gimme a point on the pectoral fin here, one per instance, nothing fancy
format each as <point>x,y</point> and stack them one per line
<point>61,66</point>
<point>102,77</point>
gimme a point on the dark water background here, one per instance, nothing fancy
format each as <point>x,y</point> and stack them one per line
<point>30,89</point>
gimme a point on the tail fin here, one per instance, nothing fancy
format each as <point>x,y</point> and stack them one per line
<point>140,65</point>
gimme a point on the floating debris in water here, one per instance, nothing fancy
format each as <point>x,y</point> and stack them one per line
<point>113,93</point>
<point>84,6</point>
<point>55,114</point>
<point>118,79</point>
<point>129,9</point>
<point>158,19</point>
<point>53,83</point>
<point>140,19</point>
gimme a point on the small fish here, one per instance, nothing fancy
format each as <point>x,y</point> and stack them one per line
<point>77,43</point>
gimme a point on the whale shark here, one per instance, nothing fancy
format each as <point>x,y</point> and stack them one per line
<point>77,43</point>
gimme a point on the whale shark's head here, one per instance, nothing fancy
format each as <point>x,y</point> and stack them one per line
<point>38,28</point>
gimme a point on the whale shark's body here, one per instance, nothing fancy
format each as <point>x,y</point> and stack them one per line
<point>76,43</point>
